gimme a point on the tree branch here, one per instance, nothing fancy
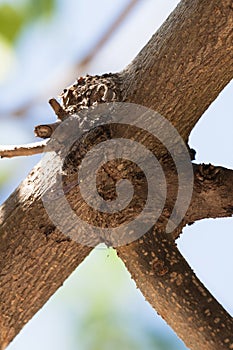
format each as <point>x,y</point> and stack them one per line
<point>212,193</point>
<point>179,73</point>
<point>45,131</point>
<point>173,290</point>
<point>185,65</point>
<point>22,150</point>
<point>35,258</point>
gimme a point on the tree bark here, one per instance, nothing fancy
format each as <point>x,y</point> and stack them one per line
<point>185,65</point>
<point>212,193</point>
<point>171,287</point>
<point>179,73</point>
<point>35,258</point>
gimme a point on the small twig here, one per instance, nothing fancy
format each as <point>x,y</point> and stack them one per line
<point>59,111</point>
<point>23,150</point>
<point>45,131</point>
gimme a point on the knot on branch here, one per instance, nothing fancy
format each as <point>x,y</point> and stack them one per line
<point>207,172</point>
<point>85,92</point>
<point>89,91</point>
<point>159,267</point>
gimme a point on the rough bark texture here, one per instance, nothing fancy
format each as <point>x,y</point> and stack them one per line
<point>212,194</point>
<point>179,73</point>
<point>35,257</point>
<point>186,63</point>
<point>168,283</point>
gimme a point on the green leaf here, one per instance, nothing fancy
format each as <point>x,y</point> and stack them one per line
<point>38,8</point>
<point>14,18</point>
<point>11,22</point>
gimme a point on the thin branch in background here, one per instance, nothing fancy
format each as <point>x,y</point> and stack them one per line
<point>80,66</point>
<point>114,26</point>
<point>23,150</point>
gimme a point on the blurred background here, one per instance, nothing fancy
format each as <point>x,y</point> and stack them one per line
<point>44,46</point>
